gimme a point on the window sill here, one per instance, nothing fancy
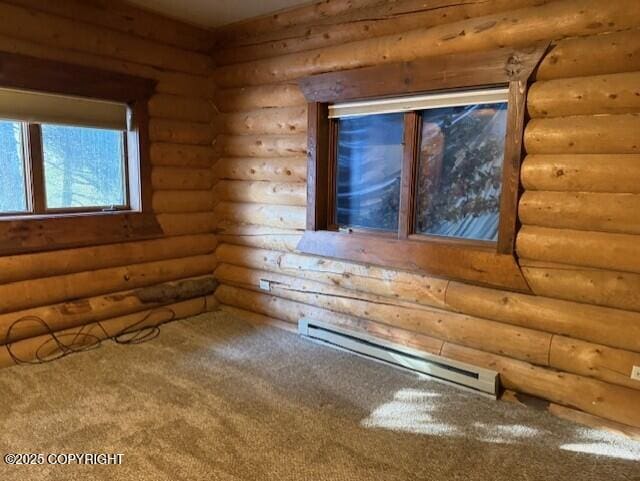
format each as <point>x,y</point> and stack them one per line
<point>23,234</point>
<point>453,260</point>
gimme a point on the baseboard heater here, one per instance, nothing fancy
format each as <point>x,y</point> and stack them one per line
<point>459,374</point>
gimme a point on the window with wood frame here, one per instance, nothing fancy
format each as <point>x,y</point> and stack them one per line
<point>416,165</point>
<point>73,156</point>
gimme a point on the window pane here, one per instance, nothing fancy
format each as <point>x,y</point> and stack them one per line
<point>369,166</point>
<point>460,169</point>
<point>13,194</point>
<point>83,167</point>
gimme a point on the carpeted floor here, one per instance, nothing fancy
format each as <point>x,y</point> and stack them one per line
<point>215,399</point>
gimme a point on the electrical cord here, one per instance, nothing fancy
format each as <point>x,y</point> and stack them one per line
<point>135,333</point>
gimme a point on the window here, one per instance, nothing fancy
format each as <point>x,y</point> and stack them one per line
<point>459,151</point>
<point>13,198</point>
<point>84,168</point>
<point>73,156</point>
<point>416,165</point>
<point>459,176</point>
<point>369,167</point>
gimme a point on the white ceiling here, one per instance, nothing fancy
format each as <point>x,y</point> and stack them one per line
<point>214,13</point>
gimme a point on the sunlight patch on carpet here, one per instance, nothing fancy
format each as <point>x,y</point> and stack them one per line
<point>409,411</point>
<point>603,444</point>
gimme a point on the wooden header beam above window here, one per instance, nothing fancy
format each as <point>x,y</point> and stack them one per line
<point>499,66</point>
<point>31,73</point>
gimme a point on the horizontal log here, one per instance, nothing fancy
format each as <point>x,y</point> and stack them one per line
<point>262,145</point>
<point>262,96</point>
<point>181,201</point>
<point>608,401</point>
<point>619,252</point>
<point>186,224</point>
<point>177,83</point>
<point>258,320</point>
<point>282,193</point>
<point>600,94</point>
<point>528,25</point>
<point>191,109</point>
<point>294,16</point>
<point>476,265</point>
<point>180,132</point>
<point>616,173</point>
<point>287,120</point>
<point>491,336</point>
<point>259,236</point>
<point>287,169</point>
<point>22,295</point>
<point>618,213</point>
<point>65,33</point>
<point>266,304</point>
<point>594,360</point>
<point>179,178</point>
<point>89,335</point>
<point>602,325</point>
<point>280,216</point>
<point>379,20</point>
<point>581,284</point>
<point>46,264</point>
<point>182,155</point>
<point>43,233</point>
<point>12,44</point>
<point>601,134</point>
<point>25,324</point>
<point>290,312</point>
<point>127,19</point>
<point>405,286</point>
<point>607,53</point>
<point>168,82</point>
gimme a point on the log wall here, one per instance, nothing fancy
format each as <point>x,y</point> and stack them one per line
<point>123,284</point>
<point>576,340</point>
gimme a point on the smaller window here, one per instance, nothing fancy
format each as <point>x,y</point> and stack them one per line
<point>70,154</point>
<point>73,156</point>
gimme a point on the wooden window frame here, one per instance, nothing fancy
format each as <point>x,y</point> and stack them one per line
<point>48,229</point>
<point>480,262</point>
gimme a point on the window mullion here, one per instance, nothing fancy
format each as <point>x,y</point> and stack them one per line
<point>36,167</point>
<point>408,179</point>
<point>332,167</point>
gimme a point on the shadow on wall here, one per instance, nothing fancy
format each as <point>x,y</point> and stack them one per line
<point>427,412</point>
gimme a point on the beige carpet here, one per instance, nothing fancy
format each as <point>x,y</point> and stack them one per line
<point>216,399</point>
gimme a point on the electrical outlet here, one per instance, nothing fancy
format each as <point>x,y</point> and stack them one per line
<point>635,373</point>
<point>265,285</point>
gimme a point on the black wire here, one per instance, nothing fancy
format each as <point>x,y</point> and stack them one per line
<point>83,341</point>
